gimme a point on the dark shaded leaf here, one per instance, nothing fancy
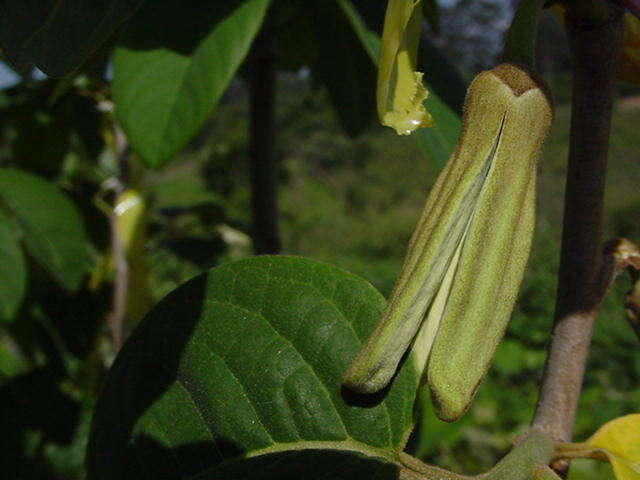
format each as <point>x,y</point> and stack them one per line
<point>41,134</point>
<point>345,68</point>
<point>33,402</point>
<point>247,361</point>
<point>431,11</point>
<point>55,35</point>
<point>13,275</point>
<point>441,75</point>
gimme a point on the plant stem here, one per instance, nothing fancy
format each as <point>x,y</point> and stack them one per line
<point>121,265</point>
<point>521,38</point>
<point>266,238</point>
<point>595,48</point>
<point>416,469</point>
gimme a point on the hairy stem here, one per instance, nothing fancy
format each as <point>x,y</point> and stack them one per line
<point>266,238</point>
<point>595,43</point>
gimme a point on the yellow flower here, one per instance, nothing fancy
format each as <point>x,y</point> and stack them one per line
<point>619,439</point>
<point>400,90</point>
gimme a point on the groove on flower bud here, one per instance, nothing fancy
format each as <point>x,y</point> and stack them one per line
<point>465,261</point>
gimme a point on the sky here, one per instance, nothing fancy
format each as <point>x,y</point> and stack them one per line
<point>7,76</point>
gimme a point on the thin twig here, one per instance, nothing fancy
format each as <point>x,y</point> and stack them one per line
<point>121,265</point>
<point>263,165</point>
<point>595,47</point>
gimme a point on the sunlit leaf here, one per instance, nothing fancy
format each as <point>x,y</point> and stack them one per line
<point>619,439</point>
<point>51,226</point>
<point>173,64</point>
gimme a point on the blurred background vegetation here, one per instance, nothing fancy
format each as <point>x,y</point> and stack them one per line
<point>348,200</point>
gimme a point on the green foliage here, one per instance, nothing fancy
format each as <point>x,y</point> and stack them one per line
<point>253,367</point>
<point>50,224</point>
<point>162,99</point>
<point>346,203</point>
<point>349,202</point>
<point>13,275</point>
<point>57,36</point>
<point>173,64</point>
<point>42,136</point>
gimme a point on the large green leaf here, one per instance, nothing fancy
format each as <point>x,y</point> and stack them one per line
<point>50,224</point>
<point>55,35</point>
<point>438,141</point>
<point>13,275</point>
<point>237,374</point>
<point>173,64</point>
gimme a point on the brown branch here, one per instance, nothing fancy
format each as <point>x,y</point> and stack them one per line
<point>121,265</point>
<point>595,43</point>
<point>263,167</point>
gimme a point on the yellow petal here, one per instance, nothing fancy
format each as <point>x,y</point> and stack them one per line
<point>400,90</point>
<point>619,439</point>
<point>130,210</point>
